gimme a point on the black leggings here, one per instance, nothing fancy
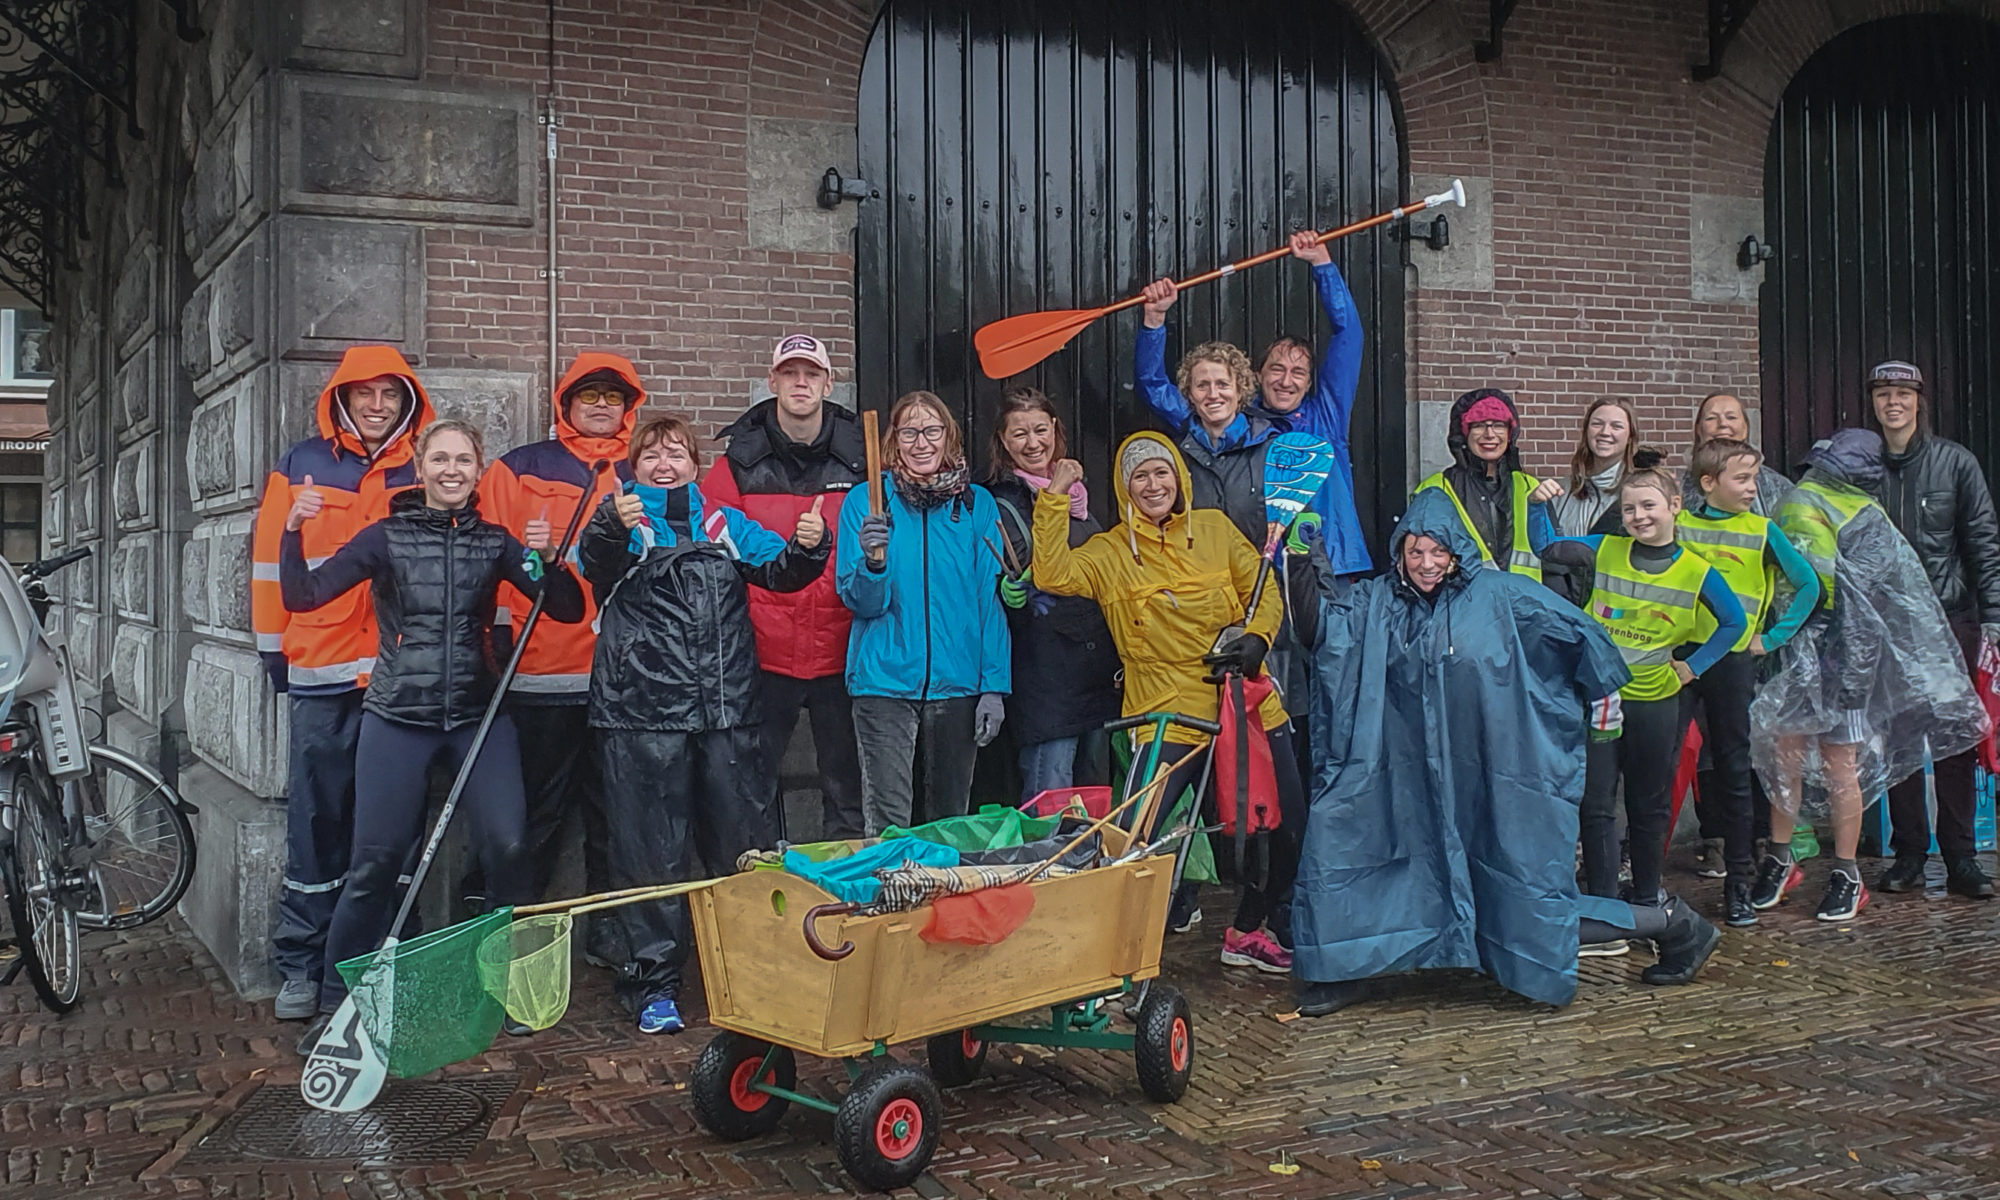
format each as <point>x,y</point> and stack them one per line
<point>391,778</point>
<point>1727,791</point>
<point>1646,755</point>
<point>1272,901</point>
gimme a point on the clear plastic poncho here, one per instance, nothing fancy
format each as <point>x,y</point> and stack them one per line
<point>1881,671</point>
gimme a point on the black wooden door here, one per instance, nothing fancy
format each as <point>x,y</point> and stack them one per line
<point>1039,154</point>
<point>1880,199</point>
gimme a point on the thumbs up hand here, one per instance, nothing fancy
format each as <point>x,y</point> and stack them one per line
<point>536,534</point>
<point>305,506</point>
<point>811,530</point>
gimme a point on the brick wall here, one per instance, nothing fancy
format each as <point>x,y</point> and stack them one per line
<point>1613,181</point>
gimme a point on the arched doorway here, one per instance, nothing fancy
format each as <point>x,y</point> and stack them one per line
<point>1879,194</point>
<point>1061,153</point>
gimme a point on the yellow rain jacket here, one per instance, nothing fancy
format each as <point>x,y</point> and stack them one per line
<point>1166,591</point>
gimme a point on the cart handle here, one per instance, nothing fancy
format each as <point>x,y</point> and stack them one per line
<point>818,947</point>
<point>1210,728</point>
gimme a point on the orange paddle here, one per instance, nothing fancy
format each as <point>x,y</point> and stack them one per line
<point>1011,345</point>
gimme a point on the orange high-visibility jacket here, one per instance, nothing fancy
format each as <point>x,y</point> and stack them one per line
<point>331,649</point>
<point>545,480</point>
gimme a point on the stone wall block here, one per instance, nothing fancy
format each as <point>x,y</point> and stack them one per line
<point>785,160</point>
<point>132,490</point>
<point>133,653</point>
<point>1467,264</point>
<point>196,357</point>
<point>347,282</point>
<point>228,196</point>
<point>84,628</point>
<point>1717,226</point>
<point>226,459</point>
<point>55,509</point>
<point>137,409</point>
<point>83,506</point>
<point>427,153</point>
<point>133,579</point>
<point>215,579</point>
<point>358,37</point>
<point>132,316</point>
<point>194,580</point>
<point>234,722</point>
<point>500,404</point>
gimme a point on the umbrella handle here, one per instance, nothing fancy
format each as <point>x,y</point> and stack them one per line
<point>818,947</point>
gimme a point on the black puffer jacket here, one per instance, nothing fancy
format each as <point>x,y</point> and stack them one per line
<point>675,649</point>
<point>434,573</point>
<point>1065,664</point>
<point>1937,496</point>
<point>1232,479</point>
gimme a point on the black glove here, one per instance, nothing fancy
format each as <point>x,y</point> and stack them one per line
<point>1244,656</point>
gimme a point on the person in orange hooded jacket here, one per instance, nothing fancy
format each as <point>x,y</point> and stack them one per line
<point>596,405</point>
<point>369,414</point>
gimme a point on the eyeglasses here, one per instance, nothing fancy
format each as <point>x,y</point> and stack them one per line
<point>1487,427</point>
<point>599,398</point>
<point>909,434</point>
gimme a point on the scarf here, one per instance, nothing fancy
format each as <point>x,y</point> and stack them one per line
<point>1079,496</point>
<point>926,494</point>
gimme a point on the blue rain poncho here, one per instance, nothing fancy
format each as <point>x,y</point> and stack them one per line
<point>1450,733</point>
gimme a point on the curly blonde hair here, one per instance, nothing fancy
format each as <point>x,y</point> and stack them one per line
<point>1225,355</point>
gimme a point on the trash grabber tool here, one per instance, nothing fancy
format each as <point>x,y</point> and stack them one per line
<point>345,1070</point>
<point>1011,345</point>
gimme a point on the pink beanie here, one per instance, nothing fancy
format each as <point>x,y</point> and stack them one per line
<point>1486,408</point>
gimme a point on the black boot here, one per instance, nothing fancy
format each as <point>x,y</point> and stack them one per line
<point>1963,877</point>
<point>1906,874</point>
<point>1325,999</point>
<point>1685,945</point>
<point>1737,910</point>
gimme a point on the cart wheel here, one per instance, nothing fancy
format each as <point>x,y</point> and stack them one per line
<point>1164,1044</point>
<point>887,1126</point>
<point>724,1101</point>
<point>956,1057</point>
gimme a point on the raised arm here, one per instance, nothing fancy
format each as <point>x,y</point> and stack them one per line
<point>306,588</point>
<point>1059,570</point>
<point>1149,358</point>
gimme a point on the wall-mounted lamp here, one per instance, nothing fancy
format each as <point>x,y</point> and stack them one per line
<point>833,189</point>
<point>1752,252</point>
<point>1436,235</point>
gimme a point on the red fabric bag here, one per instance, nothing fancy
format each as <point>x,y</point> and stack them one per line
<point>982,918</point>
<point>1241,698</point>
<point>1986,678</point>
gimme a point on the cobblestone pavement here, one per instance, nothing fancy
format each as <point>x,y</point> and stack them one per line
<point>1809,1061</point>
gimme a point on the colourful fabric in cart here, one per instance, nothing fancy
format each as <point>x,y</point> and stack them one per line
<point>993,827</point>
<point>912,886</point>
<point>853,878</point>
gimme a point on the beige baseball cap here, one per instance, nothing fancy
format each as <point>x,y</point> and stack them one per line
<point>801,345</point>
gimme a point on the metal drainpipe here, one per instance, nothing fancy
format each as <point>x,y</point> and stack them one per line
<point>551,120</point>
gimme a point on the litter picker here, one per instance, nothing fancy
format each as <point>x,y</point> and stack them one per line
<point>1011,345</point>
<point>345,1070</point>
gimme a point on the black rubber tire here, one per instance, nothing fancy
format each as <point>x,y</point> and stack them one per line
<point>951,1066</point>
<point>1164,1024</point>
<point>30,857</point>
<point>885,1090</point>
<point>148,876</point>
<point>719,1098</point>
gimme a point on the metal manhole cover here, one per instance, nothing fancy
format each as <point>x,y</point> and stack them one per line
<point>410,1123</point>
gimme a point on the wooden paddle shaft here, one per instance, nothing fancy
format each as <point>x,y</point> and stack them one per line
<point>871,432</point>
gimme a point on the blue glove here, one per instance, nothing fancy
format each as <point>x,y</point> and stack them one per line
<point>987,717</point>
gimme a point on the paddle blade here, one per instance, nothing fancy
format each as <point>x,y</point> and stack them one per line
<point>344,1073</point>
<point>1011,345</point>
<point>1295,468</point>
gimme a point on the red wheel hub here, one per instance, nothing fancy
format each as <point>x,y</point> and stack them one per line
<point>741,1094</point>
<point>1177,1044</point>
<point>899,1128</point>
<point>969,1045</point>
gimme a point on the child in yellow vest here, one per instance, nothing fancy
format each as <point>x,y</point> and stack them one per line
<point>1649,592</point>
<point>1750,551</point>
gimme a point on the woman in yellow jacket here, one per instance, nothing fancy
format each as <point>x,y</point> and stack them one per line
<point>1169,579</point>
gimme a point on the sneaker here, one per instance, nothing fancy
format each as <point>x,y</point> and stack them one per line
<point>1906,874</point>
<point>513,1028</point>
<point>1775,880</point>
<point>1685,946</point>
<point>1964,878</point>
<point>661,1015</point>
<point>1325,999</point>
<point>1611,949</point>
<point>298,1000</point>
<point>1181,921</point>
<point>1737,911</point>
<point>1255,949</point>
<point>1708,862</point>
<point>1845,896</point>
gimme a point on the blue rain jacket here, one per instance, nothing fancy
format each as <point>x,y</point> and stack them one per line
<point>1450,734</point>
<point>928,625</point>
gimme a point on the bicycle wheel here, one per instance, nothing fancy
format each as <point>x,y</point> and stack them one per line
<point>136,842</point>
<point>45,927</point>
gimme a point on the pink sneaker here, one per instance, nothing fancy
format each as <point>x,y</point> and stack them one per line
<point>1258,949</point>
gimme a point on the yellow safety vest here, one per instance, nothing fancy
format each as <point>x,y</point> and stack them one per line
<point>1734,546</point>
<point>1647,616</point>
<point>1812,517</point>
<point>1521,560</point>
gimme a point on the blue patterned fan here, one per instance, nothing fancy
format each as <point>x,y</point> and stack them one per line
<point>1295,468</point>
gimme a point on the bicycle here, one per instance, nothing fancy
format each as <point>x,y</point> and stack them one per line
<point>90,838</point>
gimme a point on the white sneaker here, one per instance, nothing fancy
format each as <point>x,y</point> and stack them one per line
<point>1610,949</point>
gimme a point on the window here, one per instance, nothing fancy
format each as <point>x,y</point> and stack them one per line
<point>20,520</point>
